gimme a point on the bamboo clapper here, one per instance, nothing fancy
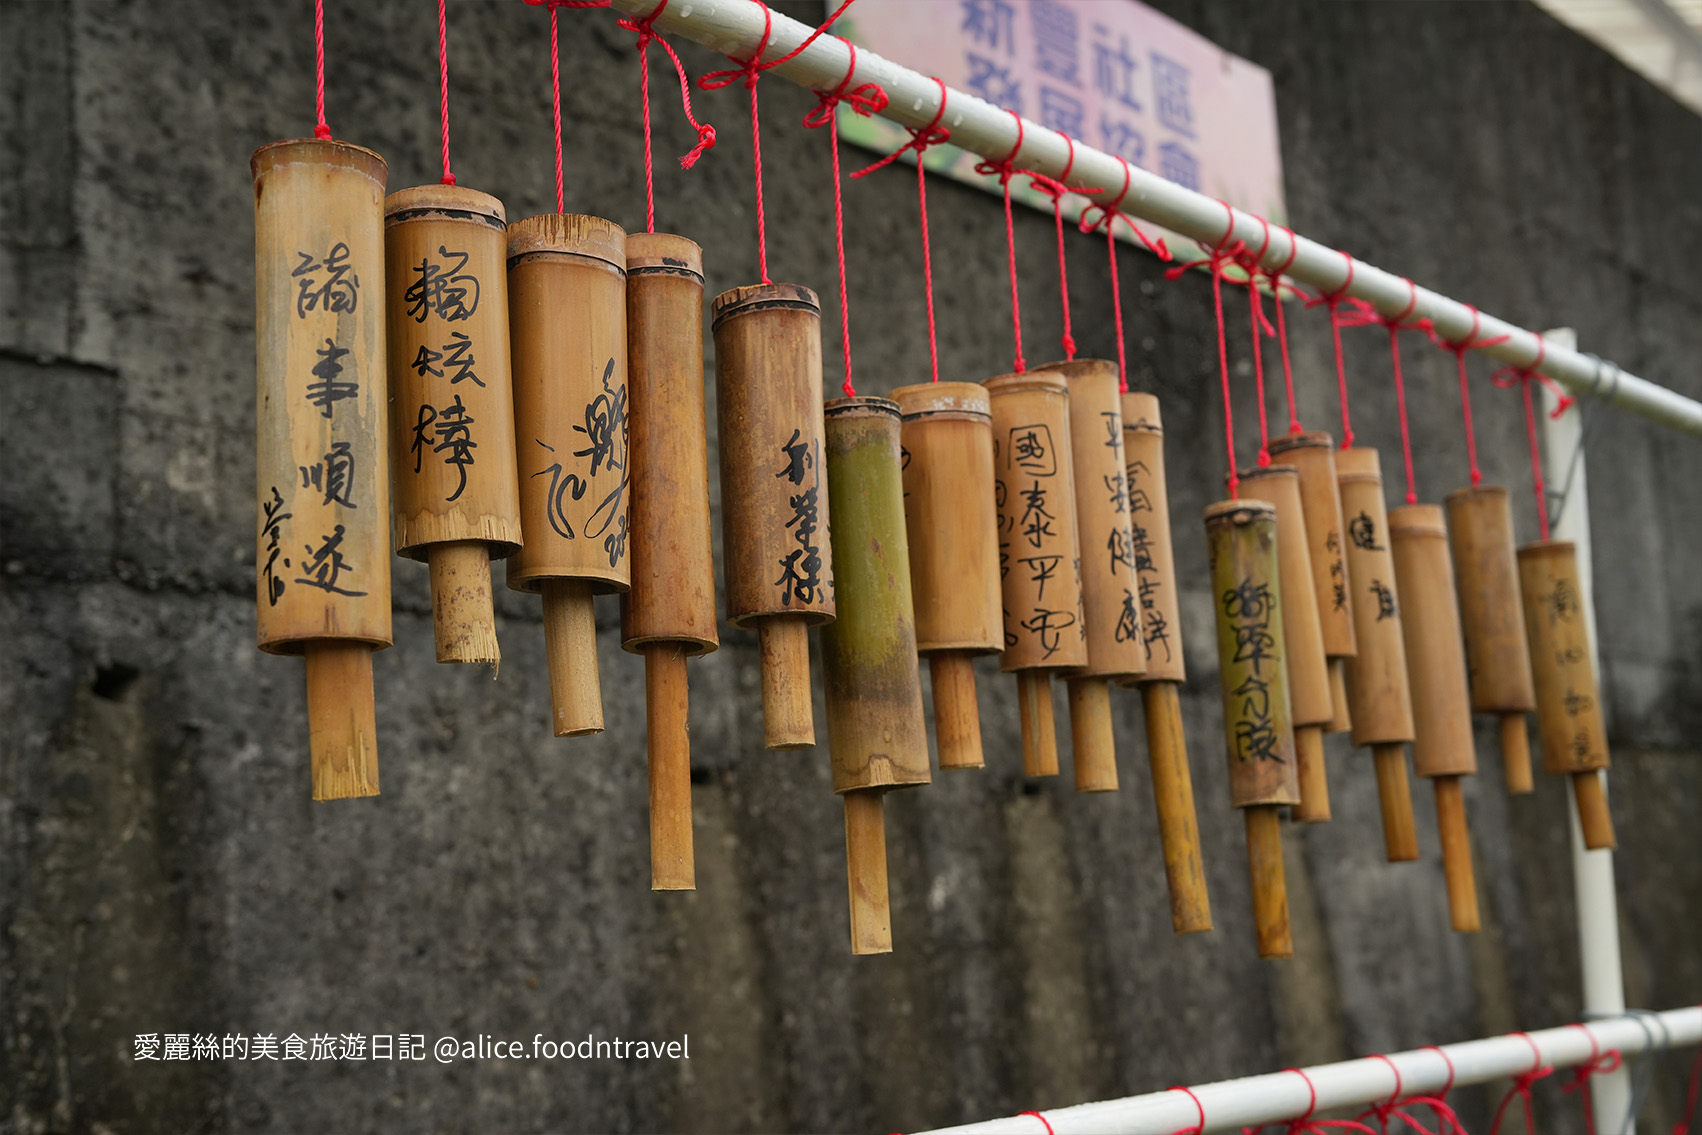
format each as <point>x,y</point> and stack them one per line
<point>669,613</point>
<point>1257,717</point>
<point>1161,682</point>
<point>452,405</point>
<point>1570,724</point>
<point>774,503</point>
<point>322,453</point>
<point>952,526</point>
<point>1378,690</point>
<point>1038,550</point>
<point>1443,747</point>
<point>877,733</point>
<point>567,311</point>
<point>1303,636</point>
<point>1480,529</point>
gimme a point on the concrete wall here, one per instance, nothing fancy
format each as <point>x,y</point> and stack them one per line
<point>165,871</point>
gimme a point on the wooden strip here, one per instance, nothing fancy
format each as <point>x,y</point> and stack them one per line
<point>957,715</point>
<point>1270,884</point>
<point>342,721</point>
<point>1173,794</point>
<point>788,717</point>
<point>1394,801</point>
<point>666,710</point>
<point>865,873</point>
<point>570,641</point>
<point>463,618</point>
<point>1456,854</point>
<point>1093,749</point>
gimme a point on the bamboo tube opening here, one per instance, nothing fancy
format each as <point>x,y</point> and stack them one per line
<point>1516,755</point>
<point>957,714</point>
<point>1270,885</point>
<point>1173,793</point>
<point>342,722</point>
<point>1394,799</point>
<point>1314,806</point>
<point>1039,731</point>
<point>1593,814</point>
<point>788,718</point>
<point>1093,748</point>
<point>462,616</point>
<point>570,641</point>
<point>666,716</point>
<point>1341,720</point>
<point>1456,854</point>
<point>865,870</point>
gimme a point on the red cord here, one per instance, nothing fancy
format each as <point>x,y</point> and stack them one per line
<point>1598,1062</point>
<point>1200,1127</point>
<point>920,139</point>
<point>1332,301</point>
<point>321,131</point>
<point>1304,1123</point>
<point>1108,215</point>
<point>555,80</point>
<point>1220,254</point>
<point>645,29</point>
<point>443,83</point>
<point>1506,377</point>
<point>1470,343</point>
<point>1043,1121</point>
<point>1249,263</point>
<point>1364,315</point>
<point>1275,277</point>
<point>1055,189</point>
<point>1522,1088</point>
<point>1117,312</point>
<point>1004,169</point>
<point>1395,1106</point>
<point>865,100</point>
<point>1693,1081</point>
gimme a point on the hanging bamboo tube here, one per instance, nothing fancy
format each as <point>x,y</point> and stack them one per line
<point>1308,671</point>
<point>670,612</point>
<point>1480,524</point>
<point>452,404</point>
<point>1110,610</point>
<point>952,525</point>
<point>1042,602</point>
<point>1377,681</point>
<point>876,733</point>
<point>322,456</point>
<point>1257,717</point>
<point>567,311</point>
<point>1314,456</point>
<point>1436,663</point>
<point>1161,622</point>
<point>1569,705</point>
<point>774,532</point>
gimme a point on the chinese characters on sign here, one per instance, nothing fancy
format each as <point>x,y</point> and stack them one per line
<point>1114,74</point>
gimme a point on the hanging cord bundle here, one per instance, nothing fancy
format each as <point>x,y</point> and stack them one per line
<point>1458,349</point>
<point>1109,214</point>
<point>1506,377</point>
<point>1333,301</point>
<point>1219,256</point>
<point>1364,315</point>
<point>749,71</point>
<point>865,100</point>
<point>1005,169</point>
<point>920,139</point>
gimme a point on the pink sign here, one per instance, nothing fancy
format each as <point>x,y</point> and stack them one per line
<point>1112,73</point>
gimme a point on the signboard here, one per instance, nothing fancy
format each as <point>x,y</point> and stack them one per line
<point>1114,74</point>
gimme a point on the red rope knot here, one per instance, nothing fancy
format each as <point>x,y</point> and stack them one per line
<point>1506,377</point>
<point>1363,315</point>
<point>645,30</point>
<point>1005,168</point>
<point>1200,1127</point>
<point>1304,1124</point>
<point>1057,191</point>
<point>921,137</point>
<point>1395,1107</point>
<point>1598,1063</point>
<point>1470,343</point>
<point>1218,256</point>
<point>1522,1088</point>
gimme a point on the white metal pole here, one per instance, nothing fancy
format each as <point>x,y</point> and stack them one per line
<point>735,28</point>
<point>1230,1104</point>
<point>1592,871</point>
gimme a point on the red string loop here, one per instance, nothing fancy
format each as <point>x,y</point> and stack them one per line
<point>1598,1063</point>
<point>1363,314</point>
<point>865,100</point>
<point>1108,216</point>
<point>320,130</point>
<point>1005,169</point>
<point>1470,343</point>
<point>1506,377</point>
<point>1304,1124</point>
<point>1200,1127</point>
<point>1044,1122</point>
<point>1275,277</point>
<point>1522,1088</point>
<point>1218,256</point>
<point>1333,301</point>
<point>645,30</point>
<point>1249,263</point>
<point>1057,191</point>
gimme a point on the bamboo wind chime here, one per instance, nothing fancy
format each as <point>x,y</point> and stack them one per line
<point>1160,684</point>
<point>323,579</point>
<point>952,527</point>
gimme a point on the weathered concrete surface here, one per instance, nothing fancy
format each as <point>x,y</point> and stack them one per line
<point>164,870</point>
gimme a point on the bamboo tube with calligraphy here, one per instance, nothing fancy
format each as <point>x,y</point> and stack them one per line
<point>1257,716</point>
<point>1041,588</point>
<point>452,404</point>
<point>1569,705</point>
<point>1442,746</point>
<point>1308,671</point>
<point>1314,456</point>
<point>1106,552</point>
<point>1480,527</point>
<point>774,509</point>
<point>322,456</point>
<point>876,733</point>
<point>567,311</point>
<point>670,612</point>
<point>952,525</point>
<point>1378,691</point>
<point>1161,621</point>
